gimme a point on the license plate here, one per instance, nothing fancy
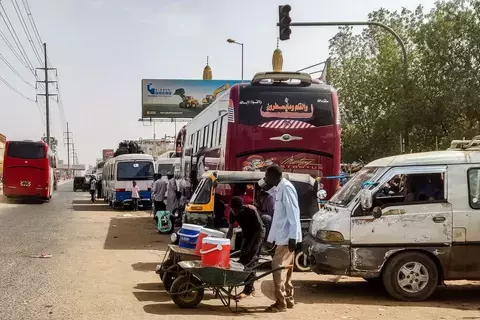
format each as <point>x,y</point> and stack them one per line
<point>25,183</point>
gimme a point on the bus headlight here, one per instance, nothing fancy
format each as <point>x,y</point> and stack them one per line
<point>329,236</point>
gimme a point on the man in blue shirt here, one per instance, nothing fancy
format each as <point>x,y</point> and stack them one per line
<point>285,232</point>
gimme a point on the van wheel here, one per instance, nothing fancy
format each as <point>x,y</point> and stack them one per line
<point>410,276</point>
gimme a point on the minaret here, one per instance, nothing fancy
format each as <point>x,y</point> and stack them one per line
<point>277,59</point>
<point>207,72</point>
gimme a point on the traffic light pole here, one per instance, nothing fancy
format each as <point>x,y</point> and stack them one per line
<point>357,23</point>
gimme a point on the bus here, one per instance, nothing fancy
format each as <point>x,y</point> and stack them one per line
<point>28,170</point>
<point>119,173</point>
<point>283,118</point>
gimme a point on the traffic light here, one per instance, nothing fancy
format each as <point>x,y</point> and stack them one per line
<point>284,21</point>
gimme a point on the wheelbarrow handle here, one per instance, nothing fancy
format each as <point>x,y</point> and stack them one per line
<point>272,271</point>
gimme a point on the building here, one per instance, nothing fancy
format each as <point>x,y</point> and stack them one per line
<point>157,147</point>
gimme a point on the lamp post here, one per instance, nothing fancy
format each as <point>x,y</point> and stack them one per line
<point>229,40</point>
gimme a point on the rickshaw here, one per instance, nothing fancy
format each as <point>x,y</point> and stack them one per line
<point>207,208</point>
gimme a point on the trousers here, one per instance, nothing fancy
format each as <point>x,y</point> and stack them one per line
<point>282,279</point>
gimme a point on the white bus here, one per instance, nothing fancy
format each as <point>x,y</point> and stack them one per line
<point>121,171</point>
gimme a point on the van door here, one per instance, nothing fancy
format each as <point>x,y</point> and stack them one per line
<point>415,212</point>
<point>465,197</point>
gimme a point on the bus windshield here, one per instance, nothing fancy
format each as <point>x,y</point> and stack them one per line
<point>135,170</point>
<point>267,108</point>
<point>26,150</point>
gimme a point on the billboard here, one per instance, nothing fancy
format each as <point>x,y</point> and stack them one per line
<point>175,98</point>
<point>107,154</point>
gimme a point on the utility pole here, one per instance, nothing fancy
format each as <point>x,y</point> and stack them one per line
<point>47,95</point>
<point>68,141</point>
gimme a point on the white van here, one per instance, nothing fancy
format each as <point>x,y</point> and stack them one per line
<point>121,171</point>
<point>409,221</point>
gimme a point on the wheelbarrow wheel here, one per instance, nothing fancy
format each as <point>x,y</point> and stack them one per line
<point>165,265</point>
<point>170,275</point>
<point>185,294</point>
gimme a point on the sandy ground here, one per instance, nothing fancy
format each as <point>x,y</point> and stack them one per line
<point>105,270</point>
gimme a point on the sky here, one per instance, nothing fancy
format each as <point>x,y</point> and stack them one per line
<point>103,48</point>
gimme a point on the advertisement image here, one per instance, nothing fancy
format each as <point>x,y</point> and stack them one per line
<point>171,98</point>
<point>107,154</point>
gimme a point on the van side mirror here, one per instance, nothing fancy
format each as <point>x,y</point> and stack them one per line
<point>377,212</point>
<point>366,199</point>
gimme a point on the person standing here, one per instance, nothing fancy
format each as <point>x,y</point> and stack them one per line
<point>285,232</point>
<point>253,236</point>
<point>135,195</point>
<point>172,196</point>
<point>93,188</point>
<point>159,190</point>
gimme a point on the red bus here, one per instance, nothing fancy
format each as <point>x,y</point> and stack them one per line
<point>278,118</point>
<point>28,170</point>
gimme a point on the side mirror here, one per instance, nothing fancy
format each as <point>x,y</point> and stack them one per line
<point>321,194</point>
<point>377,212</point>
<point>366,199</point>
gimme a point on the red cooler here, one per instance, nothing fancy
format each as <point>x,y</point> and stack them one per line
<point>204,232</point>
<point>215,252</point>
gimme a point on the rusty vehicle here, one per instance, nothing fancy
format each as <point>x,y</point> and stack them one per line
<point>408,222</point>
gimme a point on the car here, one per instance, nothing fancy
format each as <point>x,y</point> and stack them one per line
<point>80,183</point>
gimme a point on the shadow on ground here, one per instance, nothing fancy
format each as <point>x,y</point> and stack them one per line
<point>155,292</point>
<point>145,266</point>
<point>90,207</point>
<point>463,297</point>
<point>134,233</point>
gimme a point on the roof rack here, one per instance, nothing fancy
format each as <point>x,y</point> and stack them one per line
<point>465,144</point>
<point>282,76</point>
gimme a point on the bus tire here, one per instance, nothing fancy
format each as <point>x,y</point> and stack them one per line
<point>410,276</point>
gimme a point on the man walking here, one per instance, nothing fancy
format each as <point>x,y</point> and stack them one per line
<point>285,232</point>
<point>93,188</point>
<point>135,195</point>
<point>159,190</point>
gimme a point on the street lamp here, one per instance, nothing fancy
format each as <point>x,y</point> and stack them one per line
<point>229,40</point>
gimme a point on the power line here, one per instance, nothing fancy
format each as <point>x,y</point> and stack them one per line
<point>9,45</point>
<point>14,70</point>
<point>32,23</point>
<point>15,90</point>
<point>14,35</point>
<point>25,29</point>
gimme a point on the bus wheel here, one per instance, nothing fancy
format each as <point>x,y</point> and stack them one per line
<point>410,276</point>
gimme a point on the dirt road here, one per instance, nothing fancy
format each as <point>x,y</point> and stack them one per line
<point>103,268</point>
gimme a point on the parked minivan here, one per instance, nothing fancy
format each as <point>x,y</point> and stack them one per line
<point>409,221</point>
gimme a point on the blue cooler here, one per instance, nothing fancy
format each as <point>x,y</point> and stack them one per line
<point>188,236</point>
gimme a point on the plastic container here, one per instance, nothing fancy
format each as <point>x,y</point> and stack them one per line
<point>188,236</point>
<point>215,252</point>
<point>205,232</point>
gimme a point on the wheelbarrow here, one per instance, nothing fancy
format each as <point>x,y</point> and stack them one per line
<point>188,289</point>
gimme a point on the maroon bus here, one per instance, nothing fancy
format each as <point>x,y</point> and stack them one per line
<point>283,118</point>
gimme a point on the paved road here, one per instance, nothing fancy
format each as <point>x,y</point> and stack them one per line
<point>28,229</point>
<point>102,268</point>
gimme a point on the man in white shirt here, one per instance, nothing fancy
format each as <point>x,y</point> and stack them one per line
<point>159,190</point>
<point>285,232</point>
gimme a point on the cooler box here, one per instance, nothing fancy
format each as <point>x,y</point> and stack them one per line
<point>188,236</point>
<point>215,252</point>
<point>204,233</point>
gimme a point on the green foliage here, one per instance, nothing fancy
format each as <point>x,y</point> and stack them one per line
<point>433,102</point>
<point>128,147</point>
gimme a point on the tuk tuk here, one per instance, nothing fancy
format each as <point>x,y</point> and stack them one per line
<point>207,206</point>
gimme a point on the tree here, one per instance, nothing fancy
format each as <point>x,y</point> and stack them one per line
<point>431,103</point>
<point>128,147</point>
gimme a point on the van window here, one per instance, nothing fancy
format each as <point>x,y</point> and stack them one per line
<point>164,168</point>
<point>474,187</point>
<point>411,189</point>
<point>135,170</point>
